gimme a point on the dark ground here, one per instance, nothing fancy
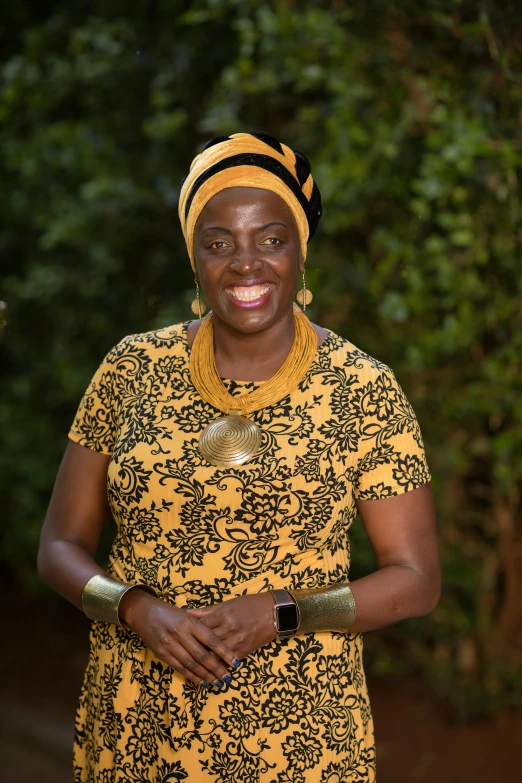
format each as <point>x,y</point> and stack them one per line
<point>41,670</point>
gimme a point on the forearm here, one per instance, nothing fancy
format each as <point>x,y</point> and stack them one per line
<point>391,594</point>
<point>66,567</point>
<point>71,534</point>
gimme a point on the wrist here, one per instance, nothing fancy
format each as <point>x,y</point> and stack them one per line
<point>132,605</point>
<point>103,594</point>
<point>329,608</point>
<point>285,618</point>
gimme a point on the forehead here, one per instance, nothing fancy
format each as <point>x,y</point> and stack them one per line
<point>231,205</point>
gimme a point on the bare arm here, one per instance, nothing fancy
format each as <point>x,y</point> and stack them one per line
<point>73,523</point>
<point>403,534</point>
<point>68,544</point>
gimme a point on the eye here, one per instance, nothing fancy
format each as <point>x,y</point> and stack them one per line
<point>218,244</point>
<point>272,241</point>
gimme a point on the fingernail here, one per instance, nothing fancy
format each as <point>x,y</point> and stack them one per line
<point>227,678</point>
<point>236,663</point>
<point>204,682</point>
<point>219,683</point>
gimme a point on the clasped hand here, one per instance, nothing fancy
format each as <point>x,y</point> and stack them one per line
<point>200,643</point>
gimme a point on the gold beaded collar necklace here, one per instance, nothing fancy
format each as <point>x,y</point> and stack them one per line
<point>234,439</point>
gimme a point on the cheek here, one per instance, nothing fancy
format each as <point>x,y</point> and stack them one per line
<point>209,275</point>
<point>287,269</point>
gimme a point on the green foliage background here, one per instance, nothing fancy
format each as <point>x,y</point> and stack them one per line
<point>411,114</point>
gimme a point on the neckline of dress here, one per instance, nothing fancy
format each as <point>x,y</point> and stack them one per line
<point>184,331</point>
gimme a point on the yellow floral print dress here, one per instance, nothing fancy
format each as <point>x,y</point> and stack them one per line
<point>297,709</point>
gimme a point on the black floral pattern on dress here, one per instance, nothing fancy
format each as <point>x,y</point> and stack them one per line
<point>297,710</point>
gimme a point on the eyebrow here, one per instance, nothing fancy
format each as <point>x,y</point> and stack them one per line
<point>261,228</point>
<point>216,228</point>
<point>273,223</point>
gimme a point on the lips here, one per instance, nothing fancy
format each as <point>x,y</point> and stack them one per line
<point>254,293</point>
<point>248,293</point>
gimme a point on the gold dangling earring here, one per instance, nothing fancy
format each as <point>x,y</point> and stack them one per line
<point>198,306</point>
<point>304,296</point>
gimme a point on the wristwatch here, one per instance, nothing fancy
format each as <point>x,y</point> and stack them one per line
<point>286,614</point>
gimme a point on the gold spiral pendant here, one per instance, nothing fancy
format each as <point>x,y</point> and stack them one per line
<point>230,440</point>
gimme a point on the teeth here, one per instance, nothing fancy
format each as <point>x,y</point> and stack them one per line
<point>248,293</point>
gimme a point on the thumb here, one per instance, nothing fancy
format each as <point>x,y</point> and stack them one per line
<point>200,612</point>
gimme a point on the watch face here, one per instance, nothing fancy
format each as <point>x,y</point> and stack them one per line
<point>287,618</point>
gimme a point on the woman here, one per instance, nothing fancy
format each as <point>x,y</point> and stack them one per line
<point>235,451</point>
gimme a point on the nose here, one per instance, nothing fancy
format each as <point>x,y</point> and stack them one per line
<point>246,263</point>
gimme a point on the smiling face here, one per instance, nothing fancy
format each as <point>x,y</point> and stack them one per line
<point>248,257</point>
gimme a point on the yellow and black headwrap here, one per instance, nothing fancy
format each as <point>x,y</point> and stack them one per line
<point>255,160</point>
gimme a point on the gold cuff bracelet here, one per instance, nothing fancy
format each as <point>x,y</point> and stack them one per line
<point>330,608</point>
<point>102,595</point>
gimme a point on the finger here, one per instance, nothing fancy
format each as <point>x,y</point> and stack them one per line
<point>200,611</point>
<point>219,625</point>
<point>200,662</point>
<point>190,641</point>
<point>175,663</point>
<point>178,644</point>
<point>215,643</point>
<point>211,620</point>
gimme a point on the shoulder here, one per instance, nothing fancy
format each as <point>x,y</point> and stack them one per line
<point>340,353</point>
<point>155,340</point>
<point>139,352</point>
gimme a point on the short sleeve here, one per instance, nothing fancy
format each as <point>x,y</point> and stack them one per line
<point>391,457</point>
<point>95,422</point>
